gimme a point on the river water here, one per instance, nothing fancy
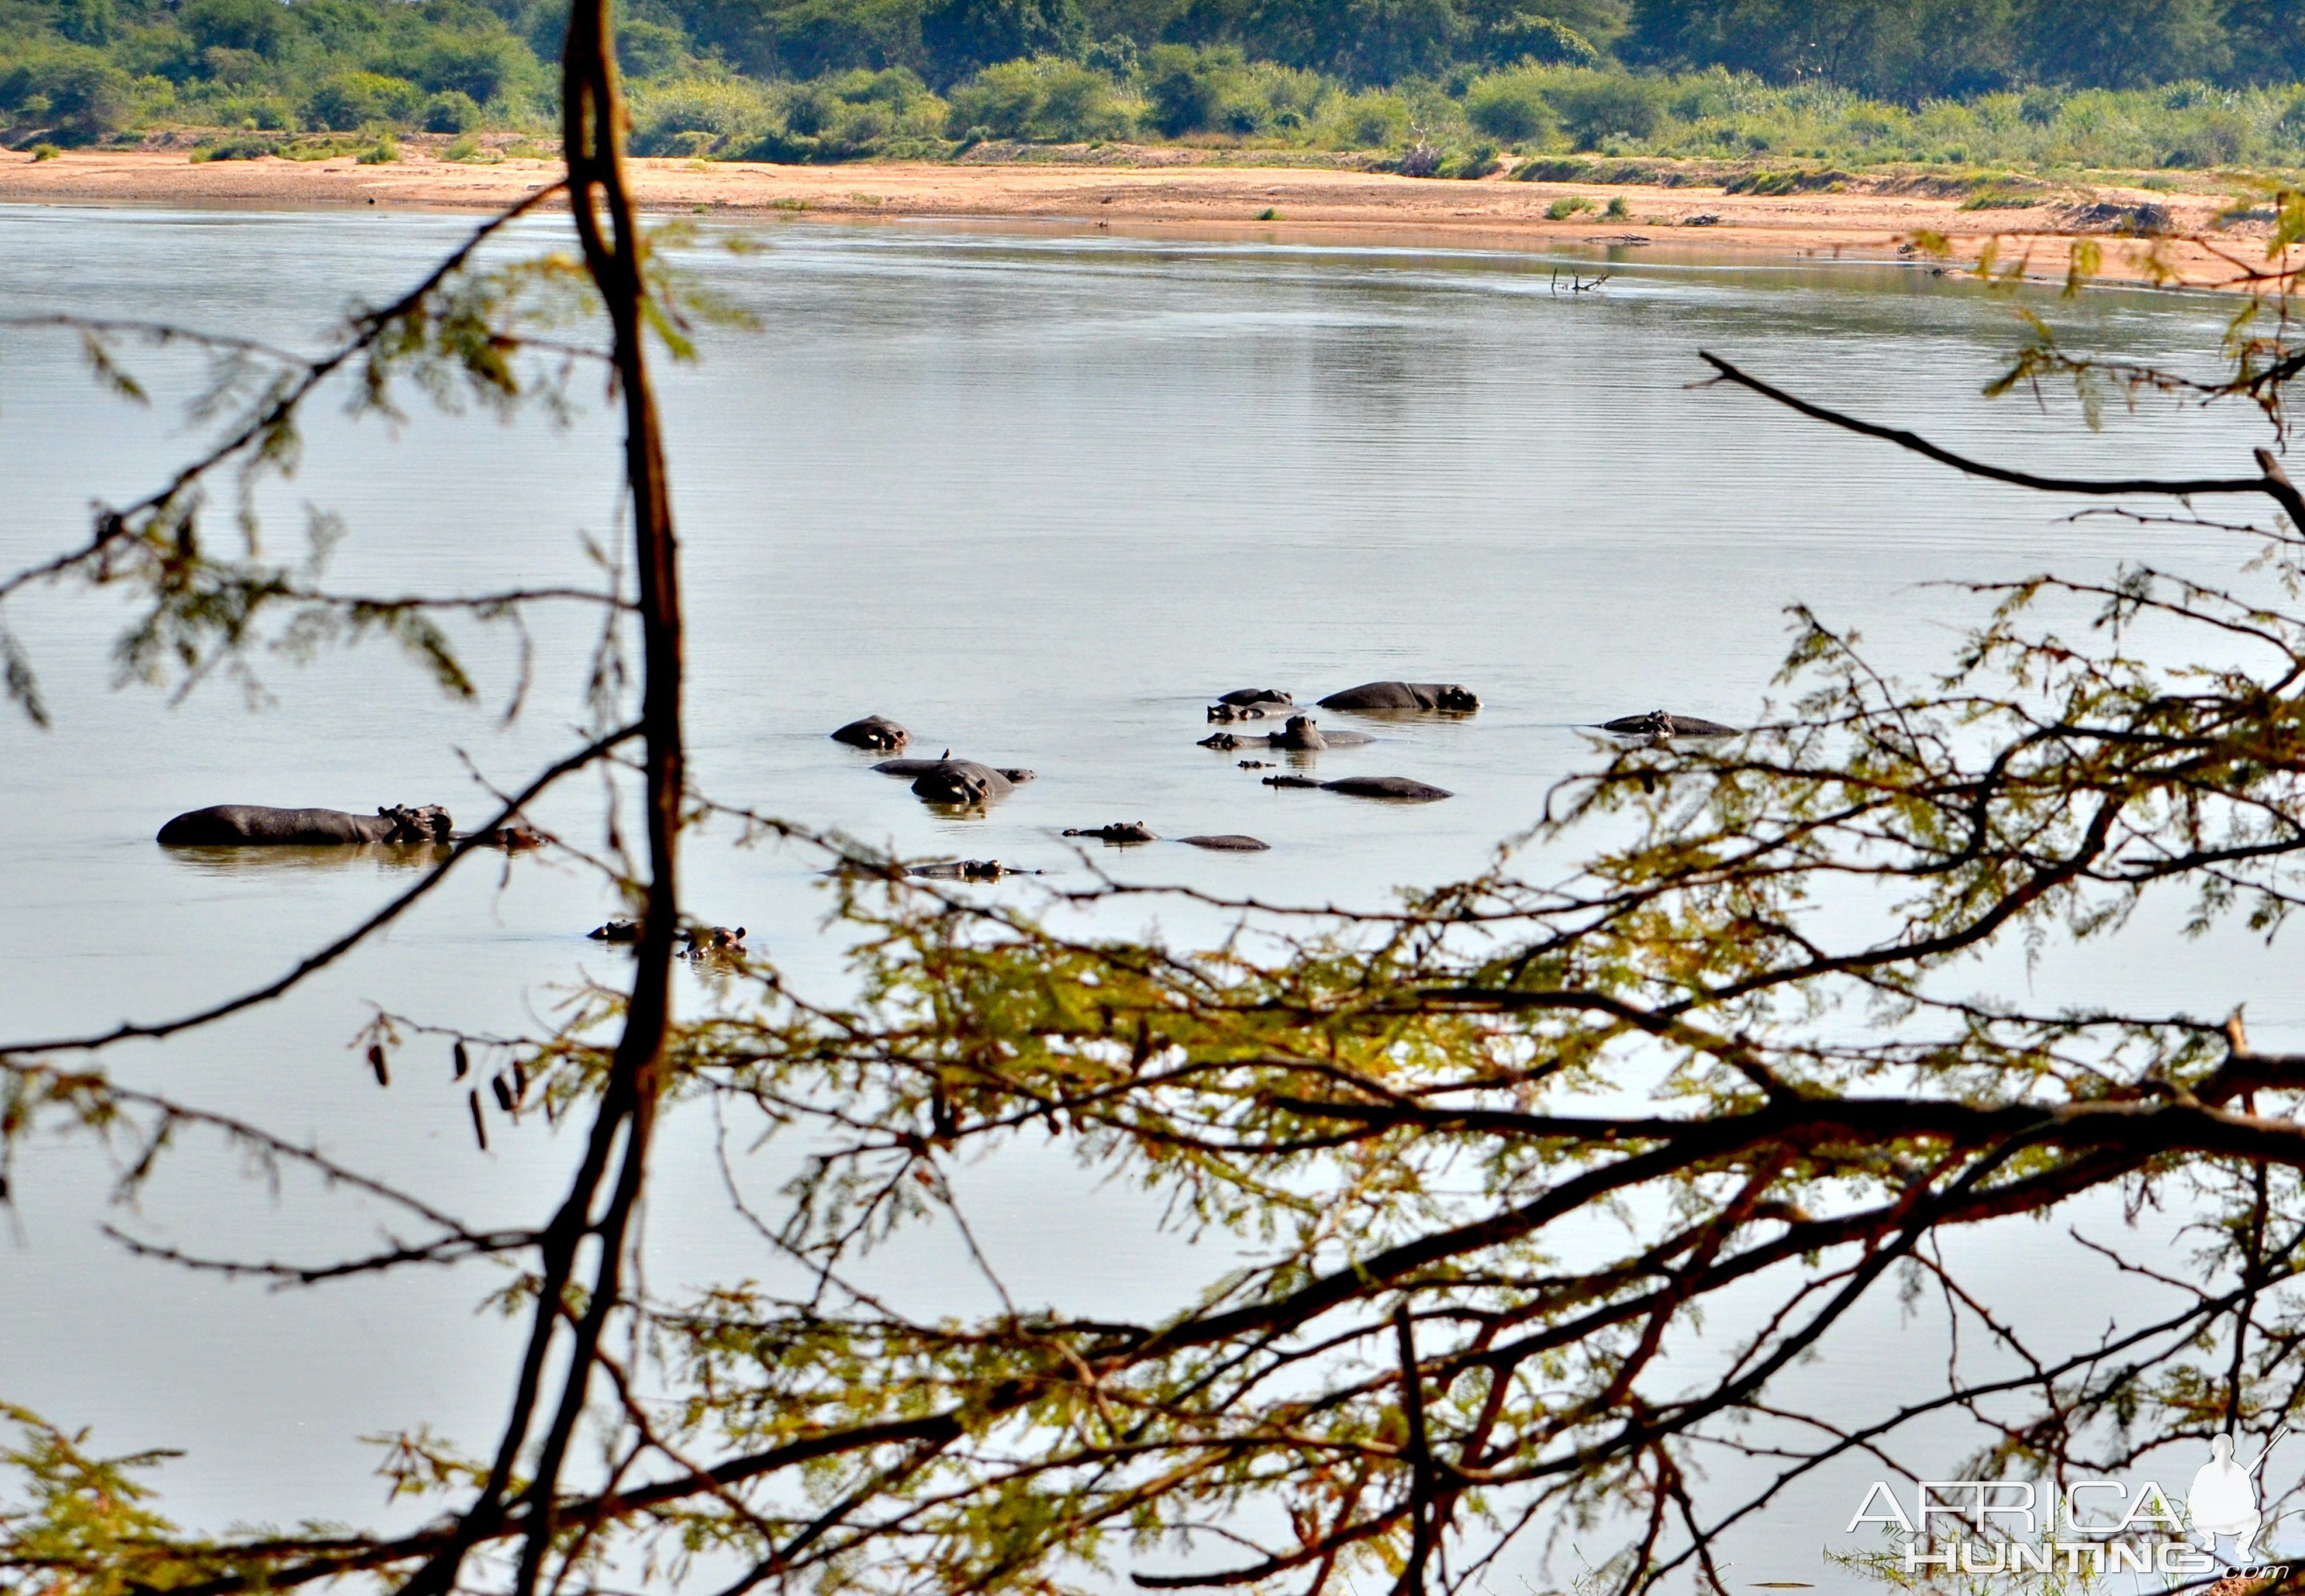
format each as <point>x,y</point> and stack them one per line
<point>1037,494</point>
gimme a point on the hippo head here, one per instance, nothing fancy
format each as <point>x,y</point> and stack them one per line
<point>950,786</point>
<point>1462,699</point>
<point>422,823</point>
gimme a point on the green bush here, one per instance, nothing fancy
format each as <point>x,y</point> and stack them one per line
<point>649,49</point>
<point>1365,121</point>
<point>2212,138</point>
<point>480,66</point>
<point>1046,101</point>
<point>343,101</point>
<point>72,93</point>
<point>236,146</point>
<point>1595,107</point>
<point>260,27</point>
<point>452,111</point>
<point>1511,107</point>
<point>668,119</point>
<point>1188,88</point>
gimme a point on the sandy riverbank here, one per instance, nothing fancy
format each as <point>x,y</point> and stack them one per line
<point>1870,219</point>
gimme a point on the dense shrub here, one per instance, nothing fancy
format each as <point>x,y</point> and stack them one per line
<point>451,112</point>
<point>1594,106</point>
<point>1365,121</point>
<point>1048,99</point>
<point>698,115</point>
<point>963,37</point>
<point>1511,107</point>
<point>72,93</point>
<point>1185,87</point>
<point>347,100</point>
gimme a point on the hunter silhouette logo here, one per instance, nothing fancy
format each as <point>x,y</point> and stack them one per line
<point>2224,1498</point>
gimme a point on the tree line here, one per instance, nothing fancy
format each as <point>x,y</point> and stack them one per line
<point>78,71</point>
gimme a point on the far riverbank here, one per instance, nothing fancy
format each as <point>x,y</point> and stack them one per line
<point>1876,221</point>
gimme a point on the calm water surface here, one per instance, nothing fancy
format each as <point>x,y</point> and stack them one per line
<point>1037,497</point>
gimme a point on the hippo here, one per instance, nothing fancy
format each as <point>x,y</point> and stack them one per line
<point>874,732</point>
<point>711,941</point>
<point>616,931</point>
<point>966,870</point>
<point>1230,842</point>
<point>1656,723</point>
<point>1388,787</point>
<point>253,824</point>
<point>1368,786</point>
<point>1404,695</point>
<point>955,781</point>
<point>1302,734</point>
<point>1245,712</point>
<point>1255,764</point>
<point>1132,831</point>
<point>513,836</point>
<point>1255,695</point>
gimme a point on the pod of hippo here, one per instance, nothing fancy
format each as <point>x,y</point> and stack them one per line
<point>874,732</point>
<point>956,781</point>
<point>1656,723</point>
<point>253,825</point>
<point>1302,734</point>
<point>1368,786</point>
<point>1404,695</point>
<point>1119,831</point>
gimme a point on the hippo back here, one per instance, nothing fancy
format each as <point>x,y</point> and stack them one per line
<point>231,825</point>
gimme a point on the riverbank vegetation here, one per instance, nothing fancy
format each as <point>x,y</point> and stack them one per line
<point>1450,85</point>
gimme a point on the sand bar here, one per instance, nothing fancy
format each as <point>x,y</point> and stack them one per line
<point>1872,219</point>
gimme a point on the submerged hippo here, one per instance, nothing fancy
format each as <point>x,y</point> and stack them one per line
<point>1404,695</point>
<point>513,836</point>
<point>966,870</point>
<point>711,941</point>
<point>1229,842</point>
<point>1302,734</point>
<point>1656,723</point>
<point>616,931</point>
<point>1368,786</point>
<point>1255,695</point>
<point>1119,831</point>
<point>956,781</point>
<point>874,732</point>
<point>253,825</point>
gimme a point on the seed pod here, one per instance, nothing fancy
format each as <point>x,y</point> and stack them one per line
<point>479,1125</point>
<point>4,1188</point>
<point>519,1082</point>
<point>463,1062</point>
<point>376,1063</point>
<point>504,1093</point>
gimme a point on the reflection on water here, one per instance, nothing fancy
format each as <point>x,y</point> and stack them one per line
<point>252,860</point>
<point>1036,497</point>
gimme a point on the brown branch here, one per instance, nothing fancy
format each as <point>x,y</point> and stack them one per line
<point>2271,483</point>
